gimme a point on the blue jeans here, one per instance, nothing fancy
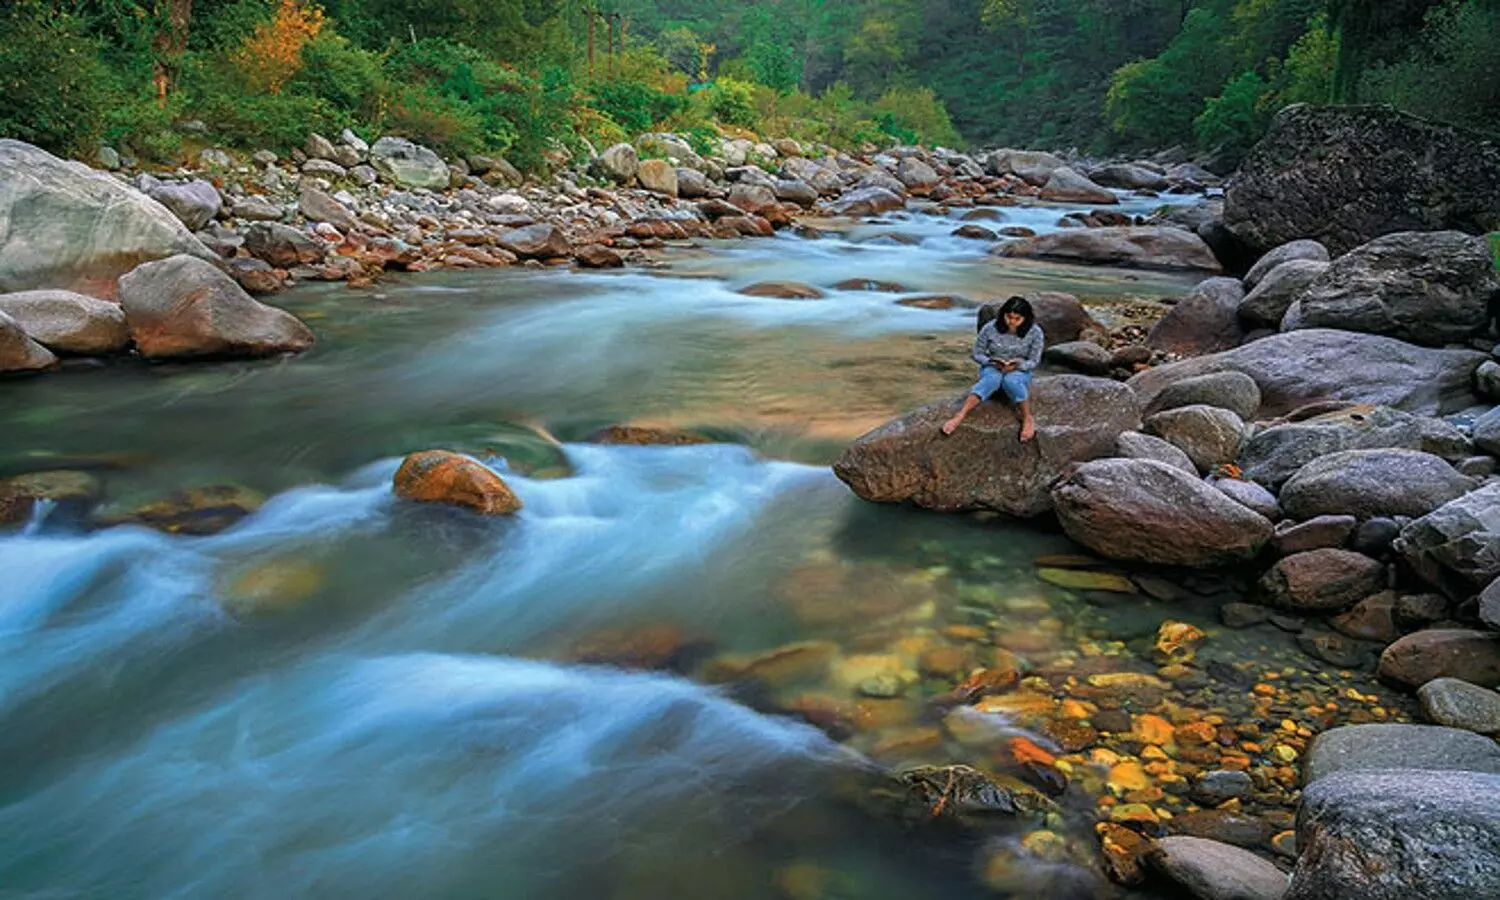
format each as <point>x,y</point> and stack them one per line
<point>1017,384</point>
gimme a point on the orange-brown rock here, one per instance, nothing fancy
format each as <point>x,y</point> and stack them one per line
<point>782,290</point>
<point>1124,853</point>
<point>442,476</point>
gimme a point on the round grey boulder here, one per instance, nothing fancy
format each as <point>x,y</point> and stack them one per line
<point>65,322</point>
<point>1141,510</point>
<point>1458,704</point>
<point>1210,436</point>
<point>1234,391</point>
<point>1305,250</point>
<point>1370,483</point>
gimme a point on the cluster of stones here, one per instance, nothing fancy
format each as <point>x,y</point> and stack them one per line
<point>348,210</point>
<point>1332,427</point>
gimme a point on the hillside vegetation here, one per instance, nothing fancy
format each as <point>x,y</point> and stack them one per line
<point>528,77</point>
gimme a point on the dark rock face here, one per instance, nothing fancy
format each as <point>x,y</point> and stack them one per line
<point>1344,176</point>
<point>1399,835</point>
<point>1141,510</point>
<point>1456,546</point>
<point>1427,288</point>
<point>1316,364</point>
<point>983,465</point>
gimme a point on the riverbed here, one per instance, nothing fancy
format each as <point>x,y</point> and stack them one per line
<point>345,695</point>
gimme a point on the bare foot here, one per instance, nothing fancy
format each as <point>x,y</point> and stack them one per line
<point>1028,430</point>
<point>951,425</point>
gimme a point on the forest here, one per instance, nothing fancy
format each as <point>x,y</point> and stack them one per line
<point>155,78</point>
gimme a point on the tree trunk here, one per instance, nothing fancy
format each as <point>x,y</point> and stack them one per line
<point>176,17</point>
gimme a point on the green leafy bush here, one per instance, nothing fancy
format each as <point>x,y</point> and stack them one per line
<point>635,106</point>
<point>913,115</point>
<point>54,91</point>
<point>352,80</point>
<point>733,102</point>
<point>1233,121</point>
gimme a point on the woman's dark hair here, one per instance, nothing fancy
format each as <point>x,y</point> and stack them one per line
<point>1020,305</point>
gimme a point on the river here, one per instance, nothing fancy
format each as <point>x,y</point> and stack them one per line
<point>347,696</point>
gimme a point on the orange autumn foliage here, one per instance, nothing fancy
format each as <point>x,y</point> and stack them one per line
<point>273,53</point>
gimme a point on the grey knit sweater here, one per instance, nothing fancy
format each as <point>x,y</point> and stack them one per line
<point>994,346</point>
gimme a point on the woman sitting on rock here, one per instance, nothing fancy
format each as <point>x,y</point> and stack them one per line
<point>1007,349</point>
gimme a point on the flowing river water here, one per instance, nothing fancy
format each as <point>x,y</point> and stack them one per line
<point>347,696</point>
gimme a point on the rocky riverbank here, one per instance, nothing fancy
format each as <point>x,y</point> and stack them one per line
<point>1330,430</point>
<point>350,211</point>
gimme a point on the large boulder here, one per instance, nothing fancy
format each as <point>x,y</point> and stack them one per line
<point>63,225</point>
<point>1295,251</point>
<point>538,241</point>
<point>917,176</point>
<point>1210,436</point>
<point>283,246</point>
<point>658,176</point>
<point>194,203</point>
<point>1473,656</point>
<point>1277,453</point>
<point>1128,176</point>
<point>317,206</point>
<point>452,479</point>
<point>184,307</point>
<point>619,163</point>
<point>1399,834</point>
<point>1321,581</point>
<point>866,201</point>
<point>19,353</point>
<point>1234,391</point>
<point>753,198</point>
<point>1356,748</point>
<point>1346,175</point>
<point>1142,247</point>
<point>1205,321</point>
<point>983,465</point>
<point>1066,185</point>
<point>1141,510</point>
<point>1428,288</point>
<point>65,322</point>
<point>1032,166</point>
<point>409,165</point>
<point>1302,367</point>
<point>824,180</point>
<point>1457,545</point>
<point>1266,305</point>
<point>692,184</point>
<point>1370,483</point>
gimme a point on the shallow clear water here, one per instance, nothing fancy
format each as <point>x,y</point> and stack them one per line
<point>348,696</point>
